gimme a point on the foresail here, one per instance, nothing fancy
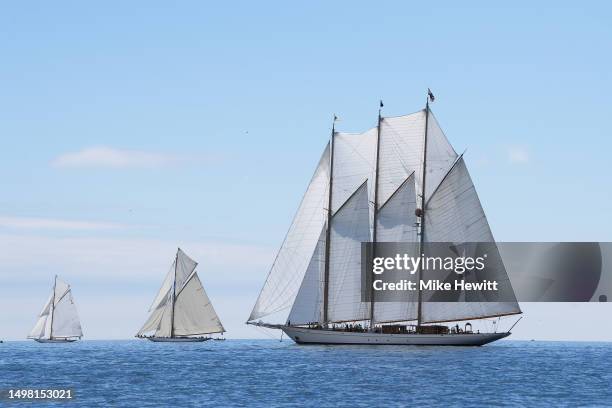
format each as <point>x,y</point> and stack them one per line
<point>287,272</point>
<point>163,294</point>
<point>153,322</point>
<point>397,223</point>
<point>194,314</point>
<point>454,214</point>
<point>350,227</point>
<point>160,308</point>
<point>42,327</point>
<point>308,304</point>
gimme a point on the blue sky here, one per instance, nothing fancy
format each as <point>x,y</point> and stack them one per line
<point>130,129</point>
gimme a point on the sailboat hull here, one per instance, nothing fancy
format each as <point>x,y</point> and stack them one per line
<point>178,339</point>
<point>318,336</point>
<point>55,340</point>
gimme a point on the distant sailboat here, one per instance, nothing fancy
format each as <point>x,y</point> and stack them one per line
<point>400,181</point>
<point>58,322</point>
<point>181,311</point>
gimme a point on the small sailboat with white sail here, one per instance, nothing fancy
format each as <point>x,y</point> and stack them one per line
<point>181,311</point>
<point>58,322</point>
<point>400,181</point>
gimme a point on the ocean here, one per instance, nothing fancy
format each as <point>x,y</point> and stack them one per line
<point>270,373</point>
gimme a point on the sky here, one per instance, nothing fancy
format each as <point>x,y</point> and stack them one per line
<point>129,129</point>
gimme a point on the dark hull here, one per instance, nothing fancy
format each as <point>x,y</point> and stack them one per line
<point>53,341</point>
<point>178,339</point>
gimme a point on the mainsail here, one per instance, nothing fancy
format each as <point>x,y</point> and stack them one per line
<point>379,179</point>
<point>58,318</point>
<point>182,307</point>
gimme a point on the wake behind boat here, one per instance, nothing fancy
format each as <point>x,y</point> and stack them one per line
<point>58,322</point>
<point>402,182</point>
<point>181,311</point>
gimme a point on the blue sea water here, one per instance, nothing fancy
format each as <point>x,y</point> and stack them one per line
<point>269,373</point>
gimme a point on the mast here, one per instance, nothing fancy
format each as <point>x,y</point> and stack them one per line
<point>328,227</point>
<point>173,294</point>
<point>422,216</point>
<point>52,308</point>
<point>374,230</point>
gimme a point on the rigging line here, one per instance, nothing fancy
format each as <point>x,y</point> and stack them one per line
<point>397,142</point>
<point>398,153</point>
<point>265,332</point>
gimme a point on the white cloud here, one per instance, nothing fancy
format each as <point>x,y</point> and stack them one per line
<point>108,157</point>
<point>517,154</point>
<point>54,224</point>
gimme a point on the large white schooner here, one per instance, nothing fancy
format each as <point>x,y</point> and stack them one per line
<point>58,322</point>
<point>400,181</point>
<point>181,311</point>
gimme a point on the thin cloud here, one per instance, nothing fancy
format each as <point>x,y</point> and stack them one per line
<point>104,259</point>
<point>518,155</point>
<point>27,223</point>
<point>108,157</point>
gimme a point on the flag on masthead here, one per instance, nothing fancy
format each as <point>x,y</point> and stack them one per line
<point>431,95</point>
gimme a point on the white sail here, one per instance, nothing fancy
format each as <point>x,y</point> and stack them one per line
<point>401,152</point>
<point>308,305</point>
<point>189,312</point>
<point>296,280</point>
<point>287,272</point>
<point>161,302</point>
<point>354,164</point>
<point>350,227</point>
<point>153,323</point>
<point>164,328</point>
<point>440,156</point>
<point>165,290</point>
<point>59,317</point>
<point>193,312</point>
<point>184,267</point>
<point>43,324</point>
<point>65,318</point>
<point>396,221</point>
<point>454,214</point>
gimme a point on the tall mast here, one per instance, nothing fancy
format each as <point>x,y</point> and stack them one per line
<point>52,308</point>
<point>375,226</point>
<point>173,294</point>
<point>422,232</point>
<point>328,227</point>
